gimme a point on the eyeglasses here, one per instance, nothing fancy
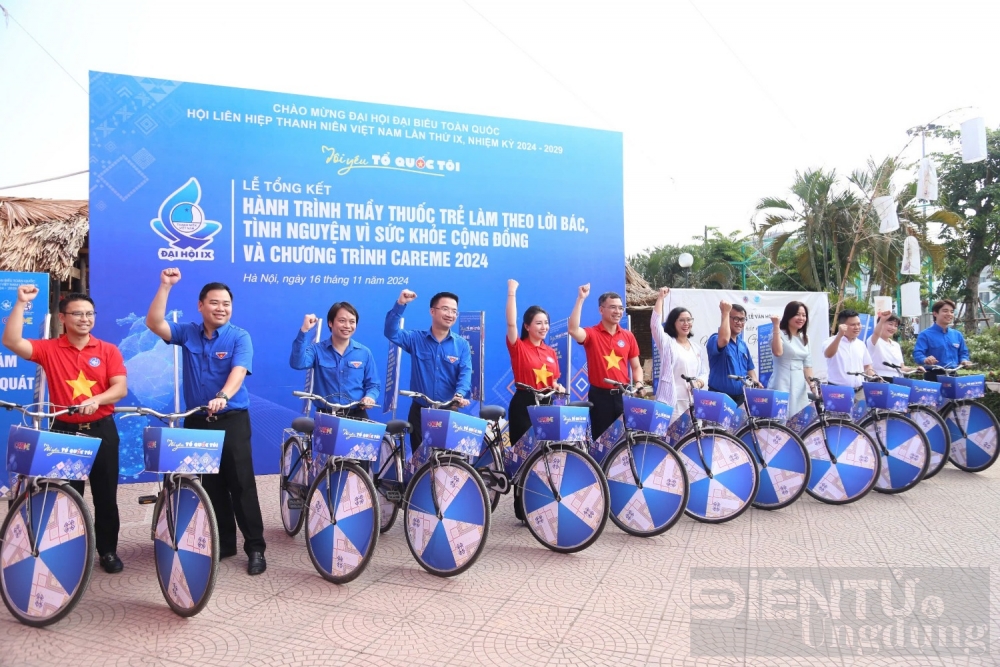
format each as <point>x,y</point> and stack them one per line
<point>738,320</point>
<point>80,315</point>
<point>446,310</point>
<point>616,308</point>
<point>686,320</point>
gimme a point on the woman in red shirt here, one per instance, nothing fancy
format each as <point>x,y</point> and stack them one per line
<point>534,363</point>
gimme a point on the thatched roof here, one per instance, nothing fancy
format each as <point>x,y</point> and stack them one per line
<point>42,235</point>
<point>638,293</point>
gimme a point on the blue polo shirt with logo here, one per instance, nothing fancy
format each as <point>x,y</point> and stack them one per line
<point>438,369</point>
<point>945,345</point>
<point>342,378</point>
<point>207,361</point>
<point>733,359</point>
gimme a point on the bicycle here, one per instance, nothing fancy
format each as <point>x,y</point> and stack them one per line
<point>721,471</point>
<point>296,471</point>
<point>47,537</point>
<point>904,449</point>
<point>446,505</point>
<point>340,512</point>
<point>562,490</point>
<point>974,430</point>
<point>845,463</point>
<point>780,454</point>
<point>925,401</point>
<point>647,482</point>
<point>184,530</point>
<point>490,464</point>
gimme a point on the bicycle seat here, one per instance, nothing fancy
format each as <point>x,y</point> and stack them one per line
<point>492,412</point>
<point>304,425</point>
<point>580,404</point>
<point>397,426</point>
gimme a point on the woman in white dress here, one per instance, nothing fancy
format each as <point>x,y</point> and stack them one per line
<point>883,348</point>
<point>792,359</point>
<point>679,355</point>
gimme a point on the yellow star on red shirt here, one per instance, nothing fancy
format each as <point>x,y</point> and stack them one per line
<point>612,360</point>
<point>81,386</point>
<point>542,375</point>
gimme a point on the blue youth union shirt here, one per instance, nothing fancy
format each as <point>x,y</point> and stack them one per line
<point>945,345</point>
<point>734,359</point>
<point>342,378</point>
<point>208,361</point>
<point>437,369</point>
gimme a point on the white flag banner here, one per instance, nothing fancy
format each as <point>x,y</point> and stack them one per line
<point>909,299</point>
<point>760,306</point>
<point>885,209</point>
<point>927,180</point>
<point>974,140</point>
<point>911,257</point>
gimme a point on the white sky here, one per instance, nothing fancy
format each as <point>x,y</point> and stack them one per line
<point>720,102</point>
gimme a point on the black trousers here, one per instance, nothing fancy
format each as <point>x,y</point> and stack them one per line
<point>607,408</point>
<point>103,479</point>
<point>233,491</point>
<point>517,414</point>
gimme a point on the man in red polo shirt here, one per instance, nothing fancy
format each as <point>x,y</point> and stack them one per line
<point>611,351</point>
<point>90,374</point>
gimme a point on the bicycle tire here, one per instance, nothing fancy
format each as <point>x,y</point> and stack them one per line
<point>858,462</point>
<point>450,545</point>
<point>571,519</point>
<point>978,451</point>
<point>909,452</point>
<point>389,471</point>
<point>295,470</point>
<point>186,574</point>
<point>43,589</point>
<point>783,480</point>
<point>938,437</point>
<point>653,509</point>
<point>342,522</point>
<point>730,490</point>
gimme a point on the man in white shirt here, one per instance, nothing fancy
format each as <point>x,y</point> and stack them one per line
<point>846,353</point>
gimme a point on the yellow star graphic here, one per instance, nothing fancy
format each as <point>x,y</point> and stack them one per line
<point>81,386</point>
<point>542,375</point>
<point>612,360</point>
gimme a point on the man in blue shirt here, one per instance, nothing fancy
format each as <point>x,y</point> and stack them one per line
<point>440,361</point>
<point>343,369</point>
<point>217,357</point>
<point>940,345</point>
<point>728,354</point>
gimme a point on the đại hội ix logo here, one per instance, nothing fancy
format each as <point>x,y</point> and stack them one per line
<point>182,224</point>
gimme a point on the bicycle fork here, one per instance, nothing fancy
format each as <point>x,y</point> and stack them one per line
<point>756,443</point>
<point>629,441</point>
<point>337,466</point>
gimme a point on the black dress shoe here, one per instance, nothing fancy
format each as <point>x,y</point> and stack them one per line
<point>257,563</point>
<point>111,563</point>
<point>227,553</point>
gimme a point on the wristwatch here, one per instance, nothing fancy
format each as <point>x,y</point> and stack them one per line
<point>222,395</point>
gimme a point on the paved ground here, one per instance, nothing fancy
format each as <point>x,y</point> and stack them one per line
<point>624,601</point>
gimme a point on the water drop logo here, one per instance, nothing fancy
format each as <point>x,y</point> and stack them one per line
<point>181,223</point>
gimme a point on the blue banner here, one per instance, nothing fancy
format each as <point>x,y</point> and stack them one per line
<point>472,327</point>
<point>765,357</point>
<point>867,326</point>
<point>390,391</point>
<point>19,378</point>
<point>297,202</point>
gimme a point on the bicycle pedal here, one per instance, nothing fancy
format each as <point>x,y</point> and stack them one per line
<point>147,500</point>
<point>295,503</point>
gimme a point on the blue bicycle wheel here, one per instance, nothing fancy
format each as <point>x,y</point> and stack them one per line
<point>647,484</point>
<point>783,464</point>
<point>857,467</point>
<point>908,452</point>
<point>39,590</point>
<point>936,432</point>
<point>976,450</point>
<point>186,547</point>
<point>447,516</point>
<point>564,497</point>
<point>732,485</point>
<point>342,522</point>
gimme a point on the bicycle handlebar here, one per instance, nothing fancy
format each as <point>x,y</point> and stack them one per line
<point>320,399</point>
<point>950,371</point>
<point>630,389</point>
<point>541,393</point>
<point>166,416</point>
<point>430,401</point>
<point>23,409</point>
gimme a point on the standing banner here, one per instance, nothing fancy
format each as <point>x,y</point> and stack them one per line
<point>294,201</point>
<point>765,356</point>
<point>390,391</point>
<point>867,326</point>
<point>472,327</point>
<point>559,341</point>
<point>760,306</point>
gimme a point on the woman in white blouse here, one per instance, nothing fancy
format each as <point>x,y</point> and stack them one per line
<point>883,348</point>
<point>792,360</point>
<point>679,355</point>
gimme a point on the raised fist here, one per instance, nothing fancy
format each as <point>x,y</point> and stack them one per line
<point>309,321</point>
<point>884,314</point>
<point>775,320</point>
<point>405,297</point>
<point>842,330</point>
<point>664,292</point>
<point>511,286</point>
<point>583,292</point>
<point>170,276</point>
<point>26,293</point>
<point>725,307</point>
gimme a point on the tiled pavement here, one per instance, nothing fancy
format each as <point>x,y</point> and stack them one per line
<point>625,601</point>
